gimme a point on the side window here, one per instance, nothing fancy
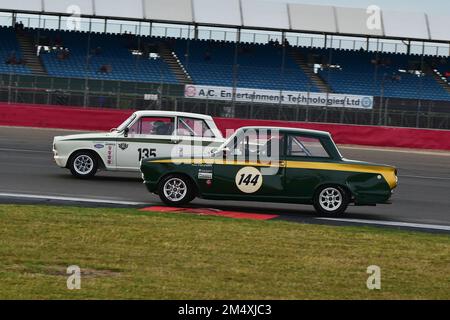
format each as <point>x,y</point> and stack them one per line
<point>191,127</point>
<point>153,126</point>
<point>300,146</point>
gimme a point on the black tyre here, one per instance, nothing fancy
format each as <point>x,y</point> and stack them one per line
<point>83,164</point>
<point>176,190</point>
<point>331,200</point>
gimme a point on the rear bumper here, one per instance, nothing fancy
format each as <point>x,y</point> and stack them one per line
<point>373,198</point>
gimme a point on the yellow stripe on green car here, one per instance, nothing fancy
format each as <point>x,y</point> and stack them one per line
<point>387,172</point>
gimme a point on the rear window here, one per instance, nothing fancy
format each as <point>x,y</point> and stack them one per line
<point>191,127</point>
<point>301,146</point>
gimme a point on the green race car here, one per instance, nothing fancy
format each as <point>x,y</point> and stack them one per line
<point>268,164</point>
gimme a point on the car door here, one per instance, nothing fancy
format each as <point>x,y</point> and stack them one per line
<point>304,154</point>
<point>146,137</point>
<point>194,137</point>
<point>252,169</point>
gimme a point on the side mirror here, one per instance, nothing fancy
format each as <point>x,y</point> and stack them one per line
<point>125,132</point>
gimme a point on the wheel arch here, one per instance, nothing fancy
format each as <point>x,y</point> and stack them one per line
<point>101,163</point>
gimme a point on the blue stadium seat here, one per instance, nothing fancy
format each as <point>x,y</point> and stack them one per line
<point>258,66</point>
<point>360,74</point>
<point>213,63</point>
<point>114,50</point>
<point>9,46</point>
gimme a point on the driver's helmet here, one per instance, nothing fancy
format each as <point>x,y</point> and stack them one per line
<point>161,128</point>
<point>157,127</point>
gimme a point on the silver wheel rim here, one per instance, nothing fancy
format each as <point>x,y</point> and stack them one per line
<point>83,164</point>
<point>175,189</point>
<point>330,199</point>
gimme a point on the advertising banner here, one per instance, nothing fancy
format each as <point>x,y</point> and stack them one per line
<point>315,99</point>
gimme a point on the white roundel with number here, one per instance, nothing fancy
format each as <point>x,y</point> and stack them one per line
<point>249,179</point>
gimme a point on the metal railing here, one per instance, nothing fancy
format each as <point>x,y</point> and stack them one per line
<point>128,95</point>
<point>217,33</point>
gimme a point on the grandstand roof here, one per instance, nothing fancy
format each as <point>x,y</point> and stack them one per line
<point>258,14</point>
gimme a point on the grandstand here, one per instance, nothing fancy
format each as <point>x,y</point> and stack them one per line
<point>212,63</point>
<point>111,50</point>
<point>280,62</point>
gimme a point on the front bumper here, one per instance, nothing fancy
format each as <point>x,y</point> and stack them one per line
<point>60,160</point>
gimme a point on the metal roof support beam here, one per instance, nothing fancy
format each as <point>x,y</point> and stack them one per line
<point>196,31</point>
<point>283,61</point>
<point>314,19</point>
<point>186,55</point>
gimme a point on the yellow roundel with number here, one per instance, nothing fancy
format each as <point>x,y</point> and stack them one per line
<point>249,180</point>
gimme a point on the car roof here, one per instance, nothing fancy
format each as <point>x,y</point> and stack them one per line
<point>296,130</point>
<point>172,113</point>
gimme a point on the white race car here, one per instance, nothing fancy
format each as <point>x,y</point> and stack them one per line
<point>145,134</point>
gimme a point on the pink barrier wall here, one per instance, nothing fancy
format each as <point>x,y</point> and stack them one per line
<point>360,135</point>
<point>61,117</point>
<point>104,119</point>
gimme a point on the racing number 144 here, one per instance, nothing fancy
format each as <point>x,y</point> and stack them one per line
<point>146,153</point>
<point>248,178</point>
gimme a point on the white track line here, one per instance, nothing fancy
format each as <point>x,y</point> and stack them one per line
<point>424,177</point>
<point>398,150</point>
<point>52,129</point>
<point>130,203</point>
<point>71,199</point>
<point>24,150</point>
<point>392,223</point>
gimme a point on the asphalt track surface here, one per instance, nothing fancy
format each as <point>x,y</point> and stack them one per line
<point>27,168</point>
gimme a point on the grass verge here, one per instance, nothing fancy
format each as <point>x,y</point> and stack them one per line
<point>127,254</point>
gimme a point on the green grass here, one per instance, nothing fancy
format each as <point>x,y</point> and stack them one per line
<point>125,253</point>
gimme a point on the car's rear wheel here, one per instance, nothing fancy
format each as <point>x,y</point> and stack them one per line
<point>331,200</point>
<point>176,190</point>
<point>83,164</point>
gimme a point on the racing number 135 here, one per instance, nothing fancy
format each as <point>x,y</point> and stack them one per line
<point>146,153</point>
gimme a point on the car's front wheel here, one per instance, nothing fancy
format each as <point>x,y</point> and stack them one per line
<point>176,190</point>
<point>83,164</point>
<point>331,200</point>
